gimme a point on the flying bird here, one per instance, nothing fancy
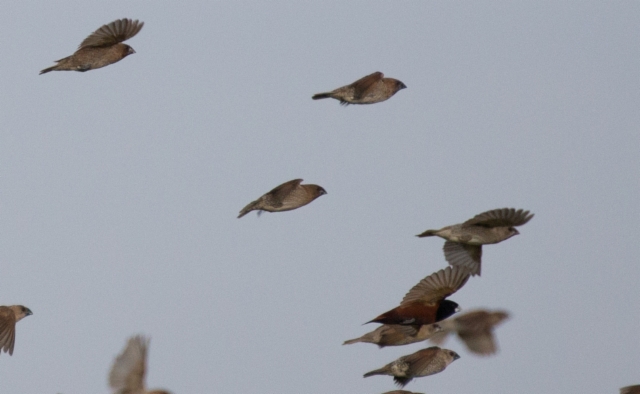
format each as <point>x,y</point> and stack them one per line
<point>425,362</point>
<point>9,316</point>
<point>397,335</point>
<point>474,328</point>
<point>371,89</point>
<point>630,390</point>
<point>463,246</point>
<point>426,302</point>
<point>102,48</point>
<point>290,195</point>
<point>128,371</point>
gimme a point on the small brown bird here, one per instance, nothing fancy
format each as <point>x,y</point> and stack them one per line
<point>400,392</point>
<point>371,89</point>
<point>474,328</point>
<point>290,195</point>
<point>129,368</point>
<point>9,316</point>
<point>397,335</point>
<point>464,241</point>
<point>630,390</point>
<point>102,48</point>
<point>425,303</point>
<point>424,362</point>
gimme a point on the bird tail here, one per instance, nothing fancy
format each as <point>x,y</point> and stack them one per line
<point>356,340</point>
<point>46,70</point>
<point>401,381</point>
<point>428,233</point>
<point>321,96</point>
<point>250,207</point>
<point>381,371</point>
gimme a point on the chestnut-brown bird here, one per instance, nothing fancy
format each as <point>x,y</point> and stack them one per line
<point>400,392</point>
<point>103,47</point>
<point>290,195</point>
<point>474,328</point>
<point>128,371</point>
<point>424,362</point>
<point>9,316</point>
<point>630,390</point>
<point>371,89</point>
<point>464,241</point>
<point>397,335</point>
<point>425,303</point>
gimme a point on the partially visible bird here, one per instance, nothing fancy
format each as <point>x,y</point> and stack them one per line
<point>129,368</point>
<point>424,362</point>
<point>425,303</point>
<point>371,89</point>
<point>400,392</point>
<point>474,328</point>
<point>464,241</point>
<point>290,195</point>
<point>102,48</point>
<point>630,389</point>
<point>9,316</point>
<point>397,335</point>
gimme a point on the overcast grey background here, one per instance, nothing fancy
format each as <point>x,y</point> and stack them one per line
<point>120,189</point>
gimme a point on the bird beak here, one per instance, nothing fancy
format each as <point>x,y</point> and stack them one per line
<point>402,86</point>
<point>456,356</point>
<point>28,312</point>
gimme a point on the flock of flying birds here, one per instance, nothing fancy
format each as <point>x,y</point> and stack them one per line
<point>424,312</point>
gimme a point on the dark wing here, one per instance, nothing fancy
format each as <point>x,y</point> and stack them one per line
<point>437,286</point>
<point>505,217</point>
<point>7,329</point>
<point>362,85</point>
<point>463,255</point>
<point>279,193</point>
<point>630,390</point>
<point>113,33</point>
<point>127,373</point>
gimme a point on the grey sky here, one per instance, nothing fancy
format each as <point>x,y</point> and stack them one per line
<point>120,187</point>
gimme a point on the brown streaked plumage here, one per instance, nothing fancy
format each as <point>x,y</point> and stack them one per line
<point>463,246</point>
<point>474,328</point>
<point>397,335</point>
<point>425,303</point>
<point>371,89</point>
<point>425,362</point>
<point>128,370</point>
<point>290,195</point>
<point>630,390</point>
<point>9,316</point>
<point>102,48</point>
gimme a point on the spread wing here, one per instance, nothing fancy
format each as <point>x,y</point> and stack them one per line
<point>127,373</point>
<point>425,362</point>
<point>463,255</point>
<point>630,390</point>
<point>505,217</point>
<point>479,342</point>
<point>362,85</point>
<point>279,193</point>
<point>7,329</point>
<point>112,33</point>
<point>437,286</point>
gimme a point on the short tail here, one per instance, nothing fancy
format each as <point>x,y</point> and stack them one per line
<point>46,70</point>
<point>248,208</point>
<point>428,233</point>
<point>321,96</point>
<point>352,341</point>
<point>381,371</point>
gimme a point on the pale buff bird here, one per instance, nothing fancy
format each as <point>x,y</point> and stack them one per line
<point>424,362</point>
<point>464,241</point>
<point>397,335</point>
<point>286,197</point>
<point>128,371</point>
<point>474,328</point>
<point>9,316</point>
